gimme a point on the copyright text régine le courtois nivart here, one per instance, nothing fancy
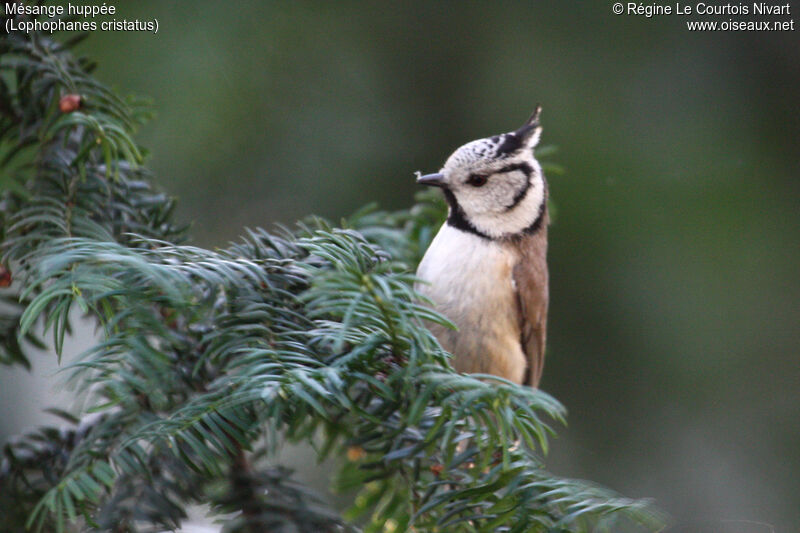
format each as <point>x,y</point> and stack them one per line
<point>755,16</point>
<point>94,17</point>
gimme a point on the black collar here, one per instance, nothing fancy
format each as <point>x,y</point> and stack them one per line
<point>457,219</point>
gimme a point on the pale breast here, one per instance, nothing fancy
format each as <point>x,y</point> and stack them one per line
<point>469,279</point>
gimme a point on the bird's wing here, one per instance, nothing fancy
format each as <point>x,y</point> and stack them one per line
<point>531,282</point>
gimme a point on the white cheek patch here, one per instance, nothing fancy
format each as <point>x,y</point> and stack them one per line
<point>511,184</point>
<point>497,211</point>
<point>496,196</point>
<point>514,221</point>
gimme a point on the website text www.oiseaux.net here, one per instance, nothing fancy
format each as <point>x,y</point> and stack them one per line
<point>739,25</point>
<point>702,16</point>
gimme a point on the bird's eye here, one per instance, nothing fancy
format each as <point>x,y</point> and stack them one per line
<point>477,180</point>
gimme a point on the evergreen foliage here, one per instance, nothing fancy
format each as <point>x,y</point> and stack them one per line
<point>207,360</point>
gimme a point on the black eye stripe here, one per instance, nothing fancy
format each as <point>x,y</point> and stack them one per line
<point>524,167</point>
<point>479,180</point>
<point>522,193</point>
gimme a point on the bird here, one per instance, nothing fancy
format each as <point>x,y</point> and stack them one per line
<point>486,268</point>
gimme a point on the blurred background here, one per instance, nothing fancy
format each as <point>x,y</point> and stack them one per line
<point>674,336</point>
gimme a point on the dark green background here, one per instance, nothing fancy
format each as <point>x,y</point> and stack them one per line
<point>674,255</point>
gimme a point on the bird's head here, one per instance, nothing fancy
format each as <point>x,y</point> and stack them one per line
<point>495,186</point>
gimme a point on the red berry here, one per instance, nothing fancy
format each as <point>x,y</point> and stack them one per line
<point>5,276</point>
<point>69,103</point>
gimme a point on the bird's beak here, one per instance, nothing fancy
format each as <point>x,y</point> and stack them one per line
<point>434,180</point>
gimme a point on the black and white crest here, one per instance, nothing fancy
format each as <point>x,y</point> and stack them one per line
<point>527,134</point>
